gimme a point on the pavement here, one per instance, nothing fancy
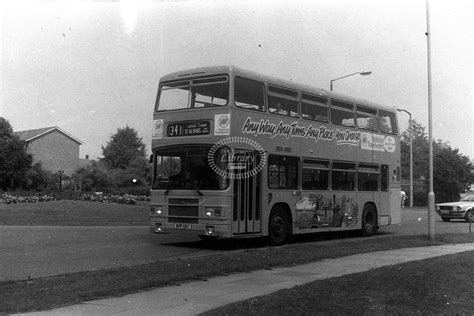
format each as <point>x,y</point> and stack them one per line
<point>192,298</point>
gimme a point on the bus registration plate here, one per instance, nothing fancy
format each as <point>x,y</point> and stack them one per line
<point>193,128</point>
<point>182,226</point>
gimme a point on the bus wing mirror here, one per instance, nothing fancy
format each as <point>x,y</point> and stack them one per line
<point>151,158</point>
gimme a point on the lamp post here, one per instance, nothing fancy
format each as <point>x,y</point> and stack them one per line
<point>362,73</point>
<point>411,155</point>
<point>431,195</point>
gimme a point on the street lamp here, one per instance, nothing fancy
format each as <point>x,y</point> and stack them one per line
<point>411,155</point>
<point>431,195</point>
<point>362,73</point>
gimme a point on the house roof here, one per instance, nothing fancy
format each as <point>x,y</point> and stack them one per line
<point>31,134</point>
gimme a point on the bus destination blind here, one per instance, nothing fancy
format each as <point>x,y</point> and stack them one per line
<point>193,128</point>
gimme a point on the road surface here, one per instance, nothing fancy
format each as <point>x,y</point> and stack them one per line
<point>39,251</point>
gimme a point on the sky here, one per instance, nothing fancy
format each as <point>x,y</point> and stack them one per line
<point>92,67</point>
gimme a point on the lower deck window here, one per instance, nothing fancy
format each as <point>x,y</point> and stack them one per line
<point>343,176</point>
<point>368,176</point>
<point>282,172</point>
<point>315,174</point>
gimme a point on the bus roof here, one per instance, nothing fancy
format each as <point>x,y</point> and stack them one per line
<point>204,71</point>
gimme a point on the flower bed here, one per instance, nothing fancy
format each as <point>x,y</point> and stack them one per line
<point>113,198</point>
<point>9,198</point>
<point>95,197</point>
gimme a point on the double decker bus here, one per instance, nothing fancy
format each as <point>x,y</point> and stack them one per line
<point>241,154</point>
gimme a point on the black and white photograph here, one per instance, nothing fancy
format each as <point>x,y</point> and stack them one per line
<point>236,157</point>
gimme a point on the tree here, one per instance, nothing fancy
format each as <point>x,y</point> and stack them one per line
<point>451,170</point>
<point>124,147</point>
<point>420,152</point>
<point>14,160</point>
<point>38,179</point>
<point>124,156</point>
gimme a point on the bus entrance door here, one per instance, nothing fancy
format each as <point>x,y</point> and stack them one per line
<point>247,194</point>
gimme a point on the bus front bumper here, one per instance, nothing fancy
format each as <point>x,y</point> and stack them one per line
<point>198,229</point>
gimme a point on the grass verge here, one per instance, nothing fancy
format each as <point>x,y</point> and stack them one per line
<point>68,212</point>
<point>50,292</point>
<point>437,286</point>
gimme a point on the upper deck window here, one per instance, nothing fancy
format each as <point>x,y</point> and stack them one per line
<point>195,93</point>
<point>249,94</point>
<point>342,113</point>
<point>387,122</point>
<point>367,118</point>
<point>314,107</point>
<point>283,101</point>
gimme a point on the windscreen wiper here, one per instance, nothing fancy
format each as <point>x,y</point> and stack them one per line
<point>197,190</point>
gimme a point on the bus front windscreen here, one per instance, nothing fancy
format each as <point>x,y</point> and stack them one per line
<point>187,169</point>
<point>195,93</point>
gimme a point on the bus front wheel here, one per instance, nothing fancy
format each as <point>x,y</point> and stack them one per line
<point>369,220</point>
<point>278,226</point>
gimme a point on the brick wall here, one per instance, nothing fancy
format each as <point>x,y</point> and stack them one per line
<point>56,152</point>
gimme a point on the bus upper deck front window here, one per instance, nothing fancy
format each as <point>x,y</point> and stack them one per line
<point>196,93</point>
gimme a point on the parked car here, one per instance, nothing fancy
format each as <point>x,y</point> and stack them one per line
<point>464,209</point>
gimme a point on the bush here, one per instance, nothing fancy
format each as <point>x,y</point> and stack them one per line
<point>65,195</point>
<point>92,178</point>
<point>98,178</point>
<point>420,198</point>
<point>134,190</point>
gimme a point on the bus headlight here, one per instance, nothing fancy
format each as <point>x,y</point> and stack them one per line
<point>158,228</point>
<point>156,210</point>
<point>213,211</point>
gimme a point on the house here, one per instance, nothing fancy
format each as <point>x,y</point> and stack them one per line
<point>53,147</point>
<point>85,162</point>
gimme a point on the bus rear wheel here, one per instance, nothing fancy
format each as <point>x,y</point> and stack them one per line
<point>278,226</point>
<point>369,221</point>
